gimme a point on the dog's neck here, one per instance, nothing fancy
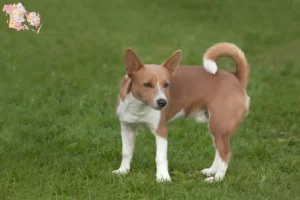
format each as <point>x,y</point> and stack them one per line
<point>135,106</point>
<point>133,111</point>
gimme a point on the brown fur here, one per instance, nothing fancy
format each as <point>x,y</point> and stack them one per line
<point>227,49</point>
<point>193,89</point>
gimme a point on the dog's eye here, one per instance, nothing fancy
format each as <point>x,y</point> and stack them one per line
<point>166,85</point>
<point>148,85</point>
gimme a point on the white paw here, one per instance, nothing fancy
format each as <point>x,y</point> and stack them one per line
<point>162,177</point>
<point>208,171</point>
<point>213,179</point>
<point>210,179</point>
<point>120,171</point>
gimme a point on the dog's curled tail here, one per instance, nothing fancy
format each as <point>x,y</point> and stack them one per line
<point>230,50</point>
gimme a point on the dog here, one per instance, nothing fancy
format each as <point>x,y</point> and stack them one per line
<point>152,95</point>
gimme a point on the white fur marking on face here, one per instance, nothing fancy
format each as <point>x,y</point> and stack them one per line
<point>160,94</point>
<point>162,173</point>
<point>210,66</point>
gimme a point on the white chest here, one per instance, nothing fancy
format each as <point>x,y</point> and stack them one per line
<point>135,112</point>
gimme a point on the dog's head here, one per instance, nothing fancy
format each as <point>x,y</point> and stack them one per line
<point>150,83</point>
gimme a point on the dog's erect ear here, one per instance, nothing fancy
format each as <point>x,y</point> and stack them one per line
<point>173,62</point>
<point>132,62</point>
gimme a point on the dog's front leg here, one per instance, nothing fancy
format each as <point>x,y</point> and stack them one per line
<point>162,173</point>
<point>128,139</point>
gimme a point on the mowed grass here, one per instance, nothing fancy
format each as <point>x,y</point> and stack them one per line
<point>60,136</point>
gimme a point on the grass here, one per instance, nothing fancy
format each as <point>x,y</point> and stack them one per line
<point>60,137</point>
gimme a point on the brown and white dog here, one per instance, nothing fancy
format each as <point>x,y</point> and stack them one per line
<point>152,95</point>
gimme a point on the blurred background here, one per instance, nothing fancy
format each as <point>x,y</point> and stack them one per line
<point>60,136</point>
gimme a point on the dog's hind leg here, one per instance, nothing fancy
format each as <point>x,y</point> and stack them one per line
<point>214,167</point>
<point>222,126</point>
<point>219,167</point>
<point>225,117</point>
<point>224,151</point>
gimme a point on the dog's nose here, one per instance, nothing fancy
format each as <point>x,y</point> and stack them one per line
<point>161,103</point>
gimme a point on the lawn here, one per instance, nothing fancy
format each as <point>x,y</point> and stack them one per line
<point>60,136</point>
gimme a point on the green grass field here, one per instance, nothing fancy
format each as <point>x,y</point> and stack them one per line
<point>60,136</point>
